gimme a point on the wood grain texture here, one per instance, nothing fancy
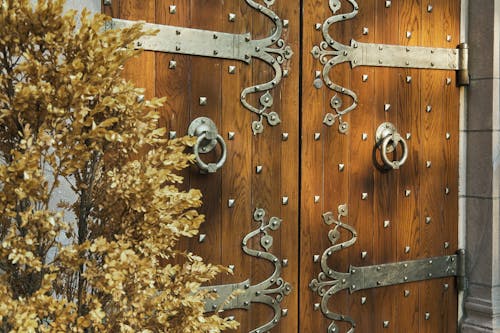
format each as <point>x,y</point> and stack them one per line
<point>302,108</point>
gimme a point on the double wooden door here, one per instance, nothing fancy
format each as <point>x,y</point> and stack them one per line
<point>301,151</point>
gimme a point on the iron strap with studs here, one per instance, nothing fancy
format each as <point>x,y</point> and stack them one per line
<point>331,53</point>
<point>269,292</point>
<point>329,282</point>
<point>272,50</point>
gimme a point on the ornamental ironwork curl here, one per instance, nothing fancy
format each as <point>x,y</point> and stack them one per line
<point>329,281</point>
<point>273,51</point>
<point>269,292</point>
<point>330,53</point>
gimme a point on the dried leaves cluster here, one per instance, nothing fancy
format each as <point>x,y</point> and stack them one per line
<point>106,261</point>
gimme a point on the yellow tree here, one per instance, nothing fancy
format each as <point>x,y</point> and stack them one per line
<point>105,261</point>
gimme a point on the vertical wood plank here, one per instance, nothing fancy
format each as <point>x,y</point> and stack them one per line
<point>238,172</point>
<point>386,109</point>
<point>140,70</point>
<point>289,113</point>
<point>408,216</point>
<point>312,232</point>
<point>361,181</point>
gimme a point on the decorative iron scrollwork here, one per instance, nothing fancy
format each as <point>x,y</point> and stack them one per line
<point>270,292</point>
<point>274,56</point>
<point>214,44</point>
<point>331,53</point>
<point>329,281</point>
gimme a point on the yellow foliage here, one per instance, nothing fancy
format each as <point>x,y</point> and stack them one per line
<point>107,260</point>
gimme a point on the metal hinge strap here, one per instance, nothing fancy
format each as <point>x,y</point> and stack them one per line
<point>272,50</point>
<point>329,281</point>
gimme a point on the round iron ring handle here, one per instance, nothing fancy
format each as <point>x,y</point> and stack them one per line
<point>210,167</point>
<point>395,138</point>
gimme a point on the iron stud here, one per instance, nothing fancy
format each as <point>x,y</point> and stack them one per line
<point>448,81</point>
<point>387,223</point>
<point>201,238</point>
<point>317,136</point>
<point>232,17</point>
<point>107,2</point>
<point>231,268</point>
<point>173,9</point>
<point>429,8</point>
<point>408,34</point>
<point>172,135</point>
<point>363,300</point>
<point>172,64</point>
<point>364,136</point>
<point>317,74</point>
<point>364,196</point>
<point>365,77</point>
<point>448,136</point>
<point>408,79</point>
<point>364,254</point>
<point>316,258</point>
<point>386,324</point>
<point>230,135</point>
<point>408,136</point>
<point>447,190</point>
<point>387,107</point>
<point>316,306</point>
<point>284,200</point>
<point>387,4</point>
<point>284,136</point>
<point>407,293</point>
<point>427,316</point>
<point>285,23</point>
<point>446,245</point>
<point>365,31</point>
<point>446,286</point>
<point>203,101</point>
<point>428,220</point>
<point>407,193</point>
<point>284,312</point>
<point>448,38</point>
<point>341,167</point>
<point>284,262</point>
<point>258,169</point>
<point>316,198</point>
<point>230,203</point>
<point>428,164</point>
<point>231,69</point>
<point>407,249</point>
<point>317,26</point>
<point>428,108</point>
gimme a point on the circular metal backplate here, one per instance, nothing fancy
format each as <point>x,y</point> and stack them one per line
<point>384,130</point>
<point>203,125</point>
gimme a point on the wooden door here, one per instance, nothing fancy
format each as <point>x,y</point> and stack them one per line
<point>398,215</point>
<point>261,170</point>
<point>301,169</point>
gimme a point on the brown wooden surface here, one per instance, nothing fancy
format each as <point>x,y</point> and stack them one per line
<point>318,172</point>
<point>195,77</point>
<point>386,190</point>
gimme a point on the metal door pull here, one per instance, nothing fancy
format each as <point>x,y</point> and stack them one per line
<point>208,137</point>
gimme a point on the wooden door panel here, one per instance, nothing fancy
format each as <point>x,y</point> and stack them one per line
<point>184,79</point>
<point>388,209</point>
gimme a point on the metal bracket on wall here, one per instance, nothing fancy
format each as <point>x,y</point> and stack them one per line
<point>269,292</point>
<point>271,50</point>
<point>330,282</point>
<point>331,53</point>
